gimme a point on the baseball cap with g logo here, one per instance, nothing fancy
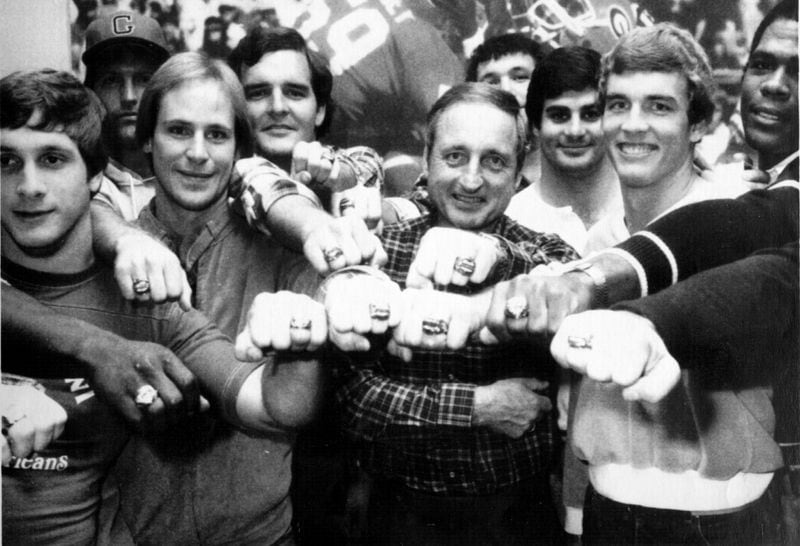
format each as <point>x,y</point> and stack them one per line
<point>124,27</point>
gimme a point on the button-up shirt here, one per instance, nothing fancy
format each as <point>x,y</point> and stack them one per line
<point>414,421</point>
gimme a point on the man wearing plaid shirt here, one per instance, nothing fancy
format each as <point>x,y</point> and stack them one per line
<point>460,442</point>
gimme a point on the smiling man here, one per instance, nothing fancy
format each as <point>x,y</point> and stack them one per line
<point>769,94</point>
<point>578,185</point>
<point>656,86</point>
<point>657,107</point>
<point>460,444</point>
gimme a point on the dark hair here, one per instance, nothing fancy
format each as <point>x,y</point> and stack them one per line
<point>787,9</point>
<point>497,47</point>
<point>665,48</point>
<point>65,106</point>
<point>480,93</point>
<point>571,68</point>
<point>194,66</point>
<point>260,41</point>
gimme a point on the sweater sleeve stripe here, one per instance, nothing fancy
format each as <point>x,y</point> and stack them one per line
<point>634,263</point>
<point>673,265</point>
<point>649,257</point>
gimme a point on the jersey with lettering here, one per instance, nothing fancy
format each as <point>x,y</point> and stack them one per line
<point>389,68</point>
<point>54,496</point>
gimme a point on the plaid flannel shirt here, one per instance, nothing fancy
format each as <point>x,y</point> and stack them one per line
<point>257,183</point>
<point>413,421</point>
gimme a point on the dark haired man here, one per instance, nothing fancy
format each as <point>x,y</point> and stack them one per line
<point>52,160</point>
<point>578,184</point>
<point>507,61</point>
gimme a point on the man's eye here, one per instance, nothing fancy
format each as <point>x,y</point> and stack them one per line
<point>296,94</point>
<point>179,131</point>
<point>142,79</point>
<point>454,158</point>
<point>661,108</point>
<point>494,162</point>
<point>592,114</point>
<point>760,66</point>
<point>491,80</point>
<point>10,163</point>
<point>52,161</point>
<point>109,80</point>
<point>521,77</point>
<point>256,94</point>
<point>615,106</point>
<point>218,136</point>
<point>558,116</point>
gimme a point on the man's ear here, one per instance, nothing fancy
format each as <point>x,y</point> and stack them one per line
<point>698,131</point>
<point>320,117</point>
<point>148,147</point>
<point>94,183</point>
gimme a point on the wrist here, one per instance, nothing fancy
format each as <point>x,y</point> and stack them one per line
<point>594,281</point>
<point>92,350</point>
<point>479,402</point>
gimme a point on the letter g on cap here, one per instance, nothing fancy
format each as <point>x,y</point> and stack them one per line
<point>122,24</point>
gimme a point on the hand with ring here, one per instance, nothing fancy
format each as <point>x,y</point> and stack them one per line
<point>532,306</point>
<point>31,420</point>
<point>360,306</point>
<point>453,256</point>
<point>333,243</point>
<point>618,347</point>
<point>436,320</point>
<point>315,163</point>
<point>365,202</point>
<point>282,321</point>
<point>146,270</point>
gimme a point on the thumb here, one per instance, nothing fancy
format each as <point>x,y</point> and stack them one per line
<point>487,337</point>
<point>534,384</point>
<point>656,383</point>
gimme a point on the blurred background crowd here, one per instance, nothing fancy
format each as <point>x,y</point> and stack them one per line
<point>347,31</point>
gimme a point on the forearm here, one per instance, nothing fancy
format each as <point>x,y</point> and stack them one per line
<point>292,388</point>
<point>372,403</point>
<point>711,233</point>
<point>518,258</point>
<point>293,218</point>
<point>108,228</point>
<point>748,304</point>
<point>24,318</point>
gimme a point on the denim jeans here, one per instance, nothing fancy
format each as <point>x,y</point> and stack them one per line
<point>609,522</point>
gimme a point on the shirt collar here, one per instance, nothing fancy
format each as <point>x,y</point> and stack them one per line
<point>777,169</point>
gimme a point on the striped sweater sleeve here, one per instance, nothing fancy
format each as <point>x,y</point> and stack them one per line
<point>711,233</point>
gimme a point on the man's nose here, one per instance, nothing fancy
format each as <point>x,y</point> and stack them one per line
<point>634,120</point>
<point>472,177</point>
<point>30,185</point>
<point>277,103</point>
<point>575,127</point>
<point>129,95</point>
<point>198,150</point>
<point>777,84</point>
